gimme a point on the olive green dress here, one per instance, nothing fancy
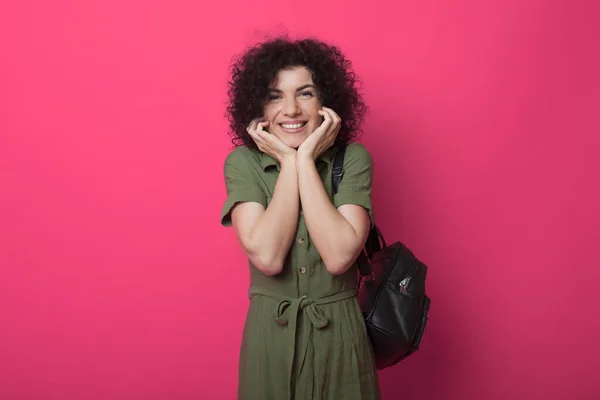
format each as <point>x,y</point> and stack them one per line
<point>304,336</point>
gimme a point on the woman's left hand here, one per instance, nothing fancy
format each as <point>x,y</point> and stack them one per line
<point>323,137</point>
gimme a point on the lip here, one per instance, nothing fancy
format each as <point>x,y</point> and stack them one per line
<point>293,131</point>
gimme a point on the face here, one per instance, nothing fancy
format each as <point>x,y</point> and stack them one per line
<point>292,106</point>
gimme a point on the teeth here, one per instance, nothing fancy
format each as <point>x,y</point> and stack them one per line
<point>292,126</point>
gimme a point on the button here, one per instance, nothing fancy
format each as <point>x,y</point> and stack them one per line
<point>302,270</point>
<point>301,240</point>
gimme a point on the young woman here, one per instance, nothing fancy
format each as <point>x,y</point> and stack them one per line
<point>292,104</point>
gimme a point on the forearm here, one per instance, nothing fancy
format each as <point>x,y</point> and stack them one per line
<point>274,232</point>
<point>333,236</point>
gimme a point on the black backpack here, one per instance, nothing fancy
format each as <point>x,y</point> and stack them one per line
<point>391,291</point>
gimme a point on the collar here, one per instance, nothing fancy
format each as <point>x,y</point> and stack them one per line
<point>267,161</point>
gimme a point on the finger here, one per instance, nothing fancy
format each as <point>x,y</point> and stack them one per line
<point>261,126</point>
<point>334,116</point>
<point>331,126</point>
<point>338,126</point>
<point>326,119</point>
<point>334,132</point>
<point>264,135</point>
<point>255,136</point>
<point>256,128</point>
<point>323,111</point>
<point>252,125</point>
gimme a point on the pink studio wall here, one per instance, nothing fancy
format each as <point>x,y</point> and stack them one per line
<point>117,281</point>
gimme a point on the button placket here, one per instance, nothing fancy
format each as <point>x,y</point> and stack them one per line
<point>301,261</point>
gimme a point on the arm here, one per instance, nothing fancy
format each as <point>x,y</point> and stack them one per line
<point>339,233</point>
<point>266,235</point>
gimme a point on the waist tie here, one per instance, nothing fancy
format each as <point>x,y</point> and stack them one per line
<point>288,309</point>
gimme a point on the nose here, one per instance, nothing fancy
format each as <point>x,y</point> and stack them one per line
<point>291,107</point>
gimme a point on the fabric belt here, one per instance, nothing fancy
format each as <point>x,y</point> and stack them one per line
<point>288,310</point>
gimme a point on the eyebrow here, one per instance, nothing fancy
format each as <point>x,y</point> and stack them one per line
<point>301,88</point>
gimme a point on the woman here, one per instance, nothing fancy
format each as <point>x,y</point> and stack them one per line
<point>292,104</point>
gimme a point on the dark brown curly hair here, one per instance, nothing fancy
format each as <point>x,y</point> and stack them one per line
<point>254,71</point>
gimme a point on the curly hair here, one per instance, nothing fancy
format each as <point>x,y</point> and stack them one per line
<point>254,71</point>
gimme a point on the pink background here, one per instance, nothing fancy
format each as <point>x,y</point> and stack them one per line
<point>117,281</point>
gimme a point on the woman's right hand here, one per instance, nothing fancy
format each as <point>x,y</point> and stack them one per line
<point>269,143</point>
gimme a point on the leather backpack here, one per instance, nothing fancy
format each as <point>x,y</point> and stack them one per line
<point>391,291</point>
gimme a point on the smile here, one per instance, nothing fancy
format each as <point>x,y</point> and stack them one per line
<point>293,127</point>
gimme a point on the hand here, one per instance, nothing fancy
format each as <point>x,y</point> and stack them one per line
<point>267,142</point>
<point>323,137</point>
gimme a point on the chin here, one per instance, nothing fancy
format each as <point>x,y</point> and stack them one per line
<point>294,142</point>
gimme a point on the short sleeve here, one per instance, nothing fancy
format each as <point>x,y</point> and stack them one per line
<point>240,183</point>
<point>356,184</point>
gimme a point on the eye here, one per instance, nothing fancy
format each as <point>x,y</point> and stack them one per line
<point>306,94</point>
<point>274,97</point>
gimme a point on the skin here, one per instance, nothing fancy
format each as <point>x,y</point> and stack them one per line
<point>266,235</point>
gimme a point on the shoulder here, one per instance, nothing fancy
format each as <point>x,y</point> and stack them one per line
<point>242,157</point>
<point>358,153</point>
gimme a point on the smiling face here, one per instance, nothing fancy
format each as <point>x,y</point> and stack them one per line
<point>292,106</point>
